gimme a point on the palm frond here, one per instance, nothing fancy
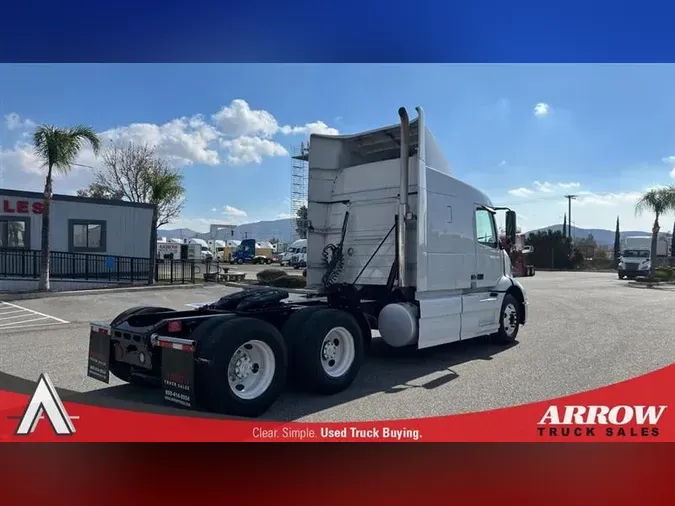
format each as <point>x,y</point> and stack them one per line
<point>58,148</point>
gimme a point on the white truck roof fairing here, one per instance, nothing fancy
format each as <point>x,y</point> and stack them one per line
<point>360,173</point>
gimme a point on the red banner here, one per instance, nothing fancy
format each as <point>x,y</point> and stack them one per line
<point>630,411</point>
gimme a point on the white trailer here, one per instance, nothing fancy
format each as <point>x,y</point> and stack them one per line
<point>205,251</point>
<point>396,244</point>
<point>169,250</point>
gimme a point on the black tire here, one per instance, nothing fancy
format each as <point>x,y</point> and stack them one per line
<point>309,349</point>
<point>121,370</point>
<point>292,334</point>
<point>512,306</point>
<point>213,389</point>
<point>239,261</point>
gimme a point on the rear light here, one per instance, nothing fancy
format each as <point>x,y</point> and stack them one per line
<point>175,326</point>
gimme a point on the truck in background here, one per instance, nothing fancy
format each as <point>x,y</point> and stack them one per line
<point>635,259</point>
<point>292,250</point>
<point>205,253</point>
<point>518,255</point>
<point>252,252</point>
<point>395,244</point>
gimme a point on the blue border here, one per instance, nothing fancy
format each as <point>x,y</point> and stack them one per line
<point>344,31</point>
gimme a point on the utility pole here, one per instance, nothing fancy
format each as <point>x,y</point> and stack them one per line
<point>569,213</point>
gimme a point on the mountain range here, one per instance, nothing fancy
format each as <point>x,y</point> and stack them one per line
<point>283,230</point>
<point>260,230</point>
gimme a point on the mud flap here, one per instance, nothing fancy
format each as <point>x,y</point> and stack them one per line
<point>178,370</point>
<point>98,367</point>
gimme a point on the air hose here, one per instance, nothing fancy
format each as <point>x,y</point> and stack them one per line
<point>333,257</point>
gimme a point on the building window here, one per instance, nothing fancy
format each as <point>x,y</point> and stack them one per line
<point>486,230</point>
<point>87,236</point>
<point>14,233</point>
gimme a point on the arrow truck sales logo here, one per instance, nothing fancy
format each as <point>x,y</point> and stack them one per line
<point>45,401</point>
<point>607,421</point>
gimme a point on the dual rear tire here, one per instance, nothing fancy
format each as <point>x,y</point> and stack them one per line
<point>243,363</point>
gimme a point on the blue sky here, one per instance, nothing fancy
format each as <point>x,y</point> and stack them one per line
<point>524,134</point>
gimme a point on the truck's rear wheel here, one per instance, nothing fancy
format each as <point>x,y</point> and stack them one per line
<point>242,368</point>
<point>509,321</point>
<point>329,351</point>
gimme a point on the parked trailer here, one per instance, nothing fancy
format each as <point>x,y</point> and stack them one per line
<point>396,244</point>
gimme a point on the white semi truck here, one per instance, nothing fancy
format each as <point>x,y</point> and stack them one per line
<point>395,244</point>
<point>635,259</point>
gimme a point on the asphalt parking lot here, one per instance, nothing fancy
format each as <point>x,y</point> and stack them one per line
<point>585,330</point>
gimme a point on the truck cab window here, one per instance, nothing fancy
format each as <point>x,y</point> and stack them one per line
<point>486,231</point>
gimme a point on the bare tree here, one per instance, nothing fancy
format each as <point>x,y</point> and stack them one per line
<point>135,173</point>
<point>129,173</point>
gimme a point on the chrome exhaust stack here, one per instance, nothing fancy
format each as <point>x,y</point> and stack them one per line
<point>403,198</point>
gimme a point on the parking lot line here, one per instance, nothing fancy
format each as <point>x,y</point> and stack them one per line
<point>34,312</point>
<point>18,324</point>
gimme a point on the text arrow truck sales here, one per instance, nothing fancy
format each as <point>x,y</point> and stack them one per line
<point>592,420</point>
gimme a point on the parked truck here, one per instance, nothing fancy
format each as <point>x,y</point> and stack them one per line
<point>518,255</point>
<point>292,250</point>
<point>395,243</point>
<point>252,252</point>
<point>635,259</point>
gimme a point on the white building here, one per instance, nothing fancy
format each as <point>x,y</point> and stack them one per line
<point>88,237</point>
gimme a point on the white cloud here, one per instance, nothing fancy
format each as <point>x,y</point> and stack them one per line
<point>234,212</point>
<point>239,135</point>
<point>521,192</point>
<point>214,210</point>
<point>670,160</point>
<point>183,141</point>
<point>15,122</point>
<point>245,150</point>
<point>502,163</point>
<point>318,127</point>
<point>542,109</point>
<point>568,186</point>
<point>586,198</point>
<point>238,119</point>
<point>283,216</point>
<point>543,187</point>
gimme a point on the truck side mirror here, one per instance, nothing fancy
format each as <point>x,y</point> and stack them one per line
<point>511,226</point>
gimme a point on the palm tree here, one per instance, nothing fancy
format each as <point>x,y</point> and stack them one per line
<point>58,149</point>
<point>658,201</point>
<point>164,186</point>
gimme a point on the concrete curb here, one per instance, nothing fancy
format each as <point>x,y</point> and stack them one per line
<point>659,285</point>
<point>94,291</point>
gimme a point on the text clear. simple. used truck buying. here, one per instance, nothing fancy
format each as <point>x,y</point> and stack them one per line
<point>395,244</point>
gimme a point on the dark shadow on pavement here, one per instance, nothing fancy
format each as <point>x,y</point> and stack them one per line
<point>386,369</point>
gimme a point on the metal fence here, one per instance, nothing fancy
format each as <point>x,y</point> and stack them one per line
<point>175,271</point>
<point>94,267</point>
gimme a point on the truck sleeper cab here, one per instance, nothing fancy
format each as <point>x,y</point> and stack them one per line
<point>395,244</point>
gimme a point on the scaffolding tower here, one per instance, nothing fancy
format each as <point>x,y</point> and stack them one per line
<point>299,178</point>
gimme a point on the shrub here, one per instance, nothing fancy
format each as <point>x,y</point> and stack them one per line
<point>664,273</point>
<point>289,282</point>
<point>269,275</point>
